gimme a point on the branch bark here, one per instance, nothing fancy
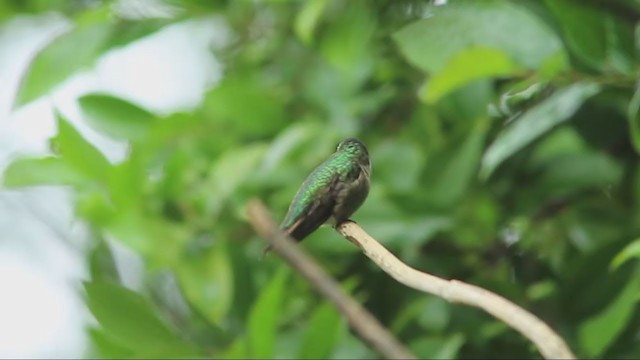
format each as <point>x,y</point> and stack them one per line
<point>364,324</point>
<point>548,343</point>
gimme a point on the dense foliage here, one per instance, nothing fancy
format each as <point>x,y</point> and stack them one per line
<point>504,137</point>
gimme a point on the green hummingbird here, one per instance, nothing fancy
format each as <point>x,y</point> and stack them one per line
<point>333,191</point>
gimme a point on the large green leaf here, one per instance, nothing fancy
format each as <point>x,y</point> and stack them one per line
<point>437,347</point>
<point>41,171</point>
<point>116,117</point>
<point>597,333</point>
<point>432,42</point>
<point>130,320</point>
<point>308,18</point>
<point>65,55</point>
<point>633,116</point>
<point>584,30</point>
<point>93,33</point>
<point>231,170</point>
<point>468,65</point>
<point>323,332</point>
<point>345,43</point>
<point>460,169</point>
<point>160,241</point>
<point>78,152</point>
<point>207,279</point>
<point>535,122</point>
<point>265,317</point>
<point>632,250</point>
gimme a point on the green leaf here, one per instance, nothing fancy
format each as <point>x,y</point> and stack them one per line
<point>231,170</point>
<point>160,241</point>
<point>324,330</point>
<point>467,65</point>
<point>265,316</point>
<point>432,42</point>
<point>398,164</point>
<point>102,263</point>
<point>633,116</point>
<point>245,104</point>
<point>438,347</point>
<point>346,42</point>
<point>107,347</point>
<point>599,332</point>
<point>632,250</point>
<point>535,122</point>
<point>580,171</point>
<point>307,19</point>
<point>95,31</point>
<point>207,279</point>
<point>78,152</point>
<point>129,319</point>
<point>41,171</point>
<point>65,55</point>
<point>584,30</point>
<point>460,169</point>
<point>127,181</point>
<point>116,117</point>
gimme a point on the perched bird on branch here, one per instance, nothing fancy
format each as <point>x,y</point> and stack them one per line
<point>332,192</point>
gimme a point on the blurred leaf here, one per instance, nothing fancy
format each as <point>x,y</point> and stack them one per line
<point>41,171</point>
<point>95,206</point>
<point>207,279</point>
<point>345,44</point>
<point>265,316</point>
<point>460,169</point>
<point>230,171</point>
<point>535,122</point>
<point>398,164</point>
<point>129,319</point>
<point>126,182</point>
<point>430,313</point>
<point>102,264</point>
<point>467,65</point>
<point>78,152</point>
<point>434,314</point>
<point>307,19</point>
<point>160,241</point>
<point>106,346</point>
<point>245,104</point>
<point>66,54</point>
<point>583,28</point>
<point>468,103</point>
<point>541,290</point>
<point>597,333</point>
<point>633,116</point>
<point>432,42</point>
<point>438,348</point>
<point>116,117</point>
<point>580,171</point>
<point>630,251</point>
<point>324,330</point>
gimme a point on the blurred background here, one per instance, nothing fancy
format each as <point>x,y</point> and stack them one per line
<point>504,139</point>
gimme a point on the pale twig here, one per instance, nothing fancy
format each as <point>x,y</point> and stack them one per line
<point>549,344</point>
<point>362,322</point>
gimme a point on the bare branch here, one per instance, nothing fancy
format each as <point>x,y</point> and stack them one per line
<point>549,344</point>
<point>365,325</point>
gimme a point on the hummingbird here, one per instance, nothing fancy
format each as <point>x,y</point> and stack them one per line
<point>333,191</point>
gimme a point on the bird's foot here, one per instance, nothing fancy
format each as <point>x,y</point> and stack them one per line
<point>337,224</point>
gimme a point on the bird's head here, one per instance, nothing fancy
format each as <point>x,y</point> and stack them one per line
<point>352,146</point>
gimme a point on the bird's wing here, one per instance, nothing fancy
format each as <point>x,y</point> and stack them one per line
<point>299,223</point>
